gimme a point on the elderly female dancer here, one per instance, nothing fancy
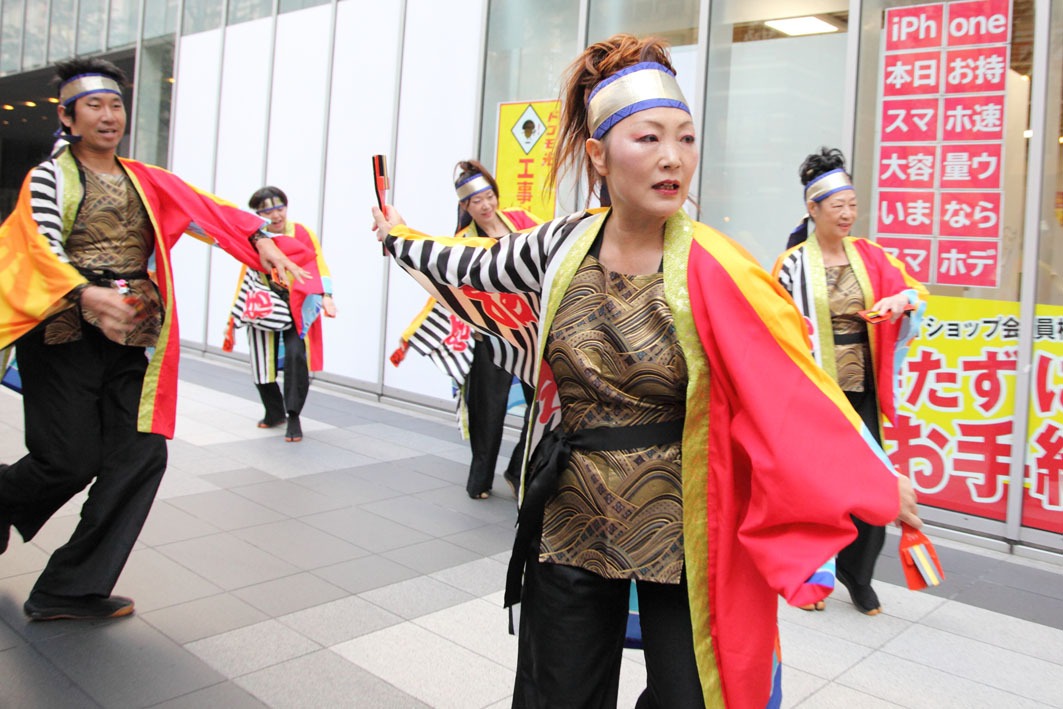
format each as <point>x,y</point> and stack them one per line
<point>832,277</point>
<point>667,367</point>
<point>485,387</point>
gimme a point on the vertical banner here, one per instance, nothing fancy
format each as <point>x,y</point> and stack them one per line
<point>955,412</point>
<point>527,133</point>
<point>940,139</point>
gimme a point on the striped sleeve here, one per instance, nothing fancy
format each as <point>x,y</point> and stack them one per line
<point>44,205</point>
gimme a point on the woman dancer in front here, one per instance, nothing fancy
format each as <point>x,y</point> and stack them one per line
<point>670,366</point>
<point>832,277</point>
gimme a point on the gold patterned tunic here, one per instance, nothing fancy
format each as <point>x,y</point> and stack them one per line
<point>112,231</point>
<point>617,362</point>
<point>846,299</point>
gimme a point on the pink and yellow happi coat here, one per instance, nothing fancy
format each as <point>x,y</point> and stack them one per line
<point>774,459</point>
<point>36,272</point>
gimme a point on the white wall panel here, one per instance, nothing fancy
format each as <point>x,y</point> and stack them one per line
<point>193,150</point>
<point>365,64</point>
<point>241,151</point>
<point>297,112</point>
<point>438,115</point>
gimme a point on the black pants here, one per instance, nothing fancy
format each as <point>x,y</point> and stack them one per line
<point>858,559</point>
<point>572,627</point>
<point>80,403</point>
<point>296,380</point>
<point>486,396</point>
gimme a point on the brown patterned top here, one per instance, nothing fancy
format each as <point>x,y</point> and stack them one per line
<point>112,231</point>
<point>617,361</point>
<point>846,299</point>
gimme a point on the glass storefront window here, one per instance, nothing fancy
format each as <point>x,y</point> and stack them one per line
<point>771,98</point>
<point>122,28</point>
<point>90,25</point>
<point>160,17</point>
<point>11,36</point>
<point>673,20</point>
<point>36,35</point>
<point>201,15</point>
<point>244,10</point>
<point>292,5</point>
<point>61,30</point>
<point>154,92</point>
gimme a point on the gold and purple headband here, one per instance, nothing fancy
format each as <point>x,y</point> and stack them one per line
<point>827,184</point>
<point>637,88</point>
<point>474,184</point>
<point>85,84</point>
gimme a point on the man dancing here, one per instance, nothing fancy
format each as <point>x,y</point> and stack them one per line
<point>88,295</point>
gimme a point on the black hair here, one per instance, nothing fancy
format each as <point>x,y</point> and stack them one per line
<point>265,193</point>
<point>465,170</point>
<point>65,71</point>
<point>814,165</point>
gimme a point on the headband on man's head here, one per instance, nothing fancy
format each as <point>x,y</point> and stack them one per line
<point>636,88</point>
<point>827,184</point>
<point>269,203</point>
<point>85,84</point>
<point>474,184</point>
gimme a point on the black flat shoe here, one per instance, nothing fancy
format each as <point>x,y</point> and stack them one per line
<point>45,606</point>
<point>266,423</point>
<point>514,484</point>
<point>294,433</point>
<point>479,495</point>
<point>863,596</point>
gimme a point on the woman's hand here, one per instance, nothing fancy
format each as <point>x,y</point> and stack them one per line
<point>909,513</point>
<point>894,305</point>
<point>273,259</point>
<point>385,221</point>
<point>328,305</point>
<point>113,314</point>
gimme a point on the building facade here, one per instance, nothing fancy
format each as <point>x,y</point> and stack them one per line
<point>950,113</point>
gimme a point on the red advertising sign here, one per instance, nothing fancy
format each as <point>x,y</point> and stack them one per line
<point>914,27</point>
<point>974,214</point>
<point>912,74</point>
<point>907,166</point>
<point>971,167</point>
<point>979,69</point>
<point>906,213</point>
<point>967,263</point>
<point>913,253</point>
<point>911,120</point>
<point>973,118</point>
<point>979,22</point>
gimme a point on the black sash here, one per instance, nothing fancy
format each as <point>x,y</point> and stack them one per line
<point>105,276</point>
<point>850,338</point>
<point>548,462</point>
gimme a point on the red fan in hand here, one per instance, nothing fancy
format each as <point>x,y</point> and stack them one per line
<point>919,559</point>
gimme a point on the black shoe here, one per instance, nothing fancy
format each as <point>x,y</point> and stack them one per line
<point>514,483</point>
<point>45,606</point>
<point>863,596</point>
<point>294,433</point>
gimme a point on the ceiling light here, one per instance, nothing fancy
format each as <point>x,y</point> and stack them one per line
<point>53,99</point>
<point>8,107</point>
<point>29,104</point>
<point>1027,133</point>
<point>796,26</point>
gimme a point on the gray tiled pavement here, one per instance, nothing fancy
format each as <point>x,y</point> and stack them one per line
<point>351,570</point>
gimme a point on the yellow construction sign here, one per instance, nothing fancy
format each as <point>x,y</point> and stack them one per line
<point>527,131</point>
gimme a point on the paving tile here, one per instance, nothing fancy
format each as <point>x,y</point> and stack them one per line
<point>480,577</point>
<point>324,679</point>
<point>252,648</point>
<point>29,680</point>
<point>290,593</point>
<point>834,696</point>
<point>8,637</point>
<point>432,555</point>
<point>842,620</point>
<point>1003,669</point>
<point>416,597</point>
<point>798,686</point>
<point>366,530</point>
<point>365,573</point>
<point>443,468</point>
<point>167,523</point>
<point>425,665</point>
<point>1027,605</point>
<point>285,460</point>
<point>478,626</point>
<point>898,601</point>
<point>226,694</point>
<point>238,477</point>
<point>340,620</point>
<point>22,558</point>
<point>426,517</point>
<point>632,683</point>
<point>370,448</point>
<point>998,629</point>
<point>398,477</point>
<point>906,683</point>
<point>203,617</point>
<point>156,580</point>
<point>227,561</point>
<point>55,533</point>
<point>499,508</point>
<point>345,487</point>
<point>300,544</point>
<point>127,663</point>
<point>289,499</point>
<point>226,510</point>
<point>487,541</point>
<point>179,483</point>
<point>818,653</point>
